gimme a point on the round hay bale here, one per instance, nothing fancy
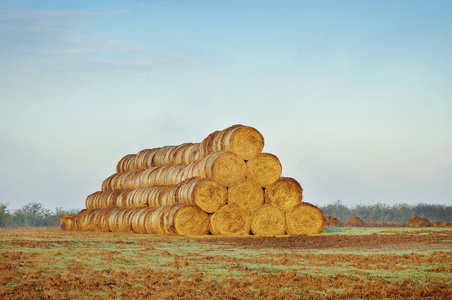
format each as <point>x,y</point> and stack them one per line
<point>188,220</point>
<point>162,156</point>
<point>80,219</point>
<point>265,169</point>
<point>93,200</point>
<point>180,153</point>
<point>331,221</point>
<point>206,147</point>
<point>418,222</point>
<point>156,223</point>
<point>126,164</point>
<point>285,193</point>
<point>154,194</point>
<point>247,194</point>
<point>67,222</point>
<point>137,219</point>
<point>355,222</point>
<point>207,194</point>
<point>144,158</point>
<point>244,141</point>
<point>226,168</point>
<point>230,220</point>
<point>268,220</point>
<point>305,218</point>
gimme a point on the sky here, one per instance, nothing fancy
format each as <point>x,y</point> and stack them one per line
<point>353,97</point>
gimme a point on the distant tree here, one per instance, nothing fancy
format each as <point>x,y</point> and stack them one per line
<point>32,214</point>
<point>5,216</point>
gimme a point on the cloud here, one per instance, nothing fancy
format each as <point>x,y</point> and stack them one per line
<point>48,50</point>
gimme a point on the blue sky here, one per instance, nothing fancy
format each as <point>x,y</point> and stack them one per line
<point>354,97</point>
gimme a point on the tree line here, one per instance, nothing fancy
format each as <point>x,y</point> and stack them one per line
<point>34,214</point>
<point>389,213</point>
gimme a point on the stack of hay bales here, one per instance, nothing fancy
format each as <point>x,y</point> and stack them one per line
<point>224,185</point>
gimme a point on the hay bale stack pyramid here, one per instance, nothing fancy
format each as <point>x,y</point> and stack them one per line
<point>224,185</point>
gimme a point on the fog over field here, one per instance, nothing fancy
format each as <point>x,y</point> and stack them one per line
<point>354,97</point>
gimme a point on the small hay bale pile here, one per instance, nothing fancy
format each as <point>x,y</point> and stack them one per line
<point>224,185</point>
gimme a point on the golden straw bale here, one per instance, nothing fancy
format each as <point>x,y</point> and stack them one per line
<point>247,194</point>
<point>125,220</point>
<point>140,218</point>
<point>244,141</point>
<point>305,218</point>
<point>157,220</point>
<point>92,200</point>
<point>105,223</point>
<point>207,194</point>
<point>230,220</point>
<point>113,217</point>
<point>268,220</point>
<point>226,168</point>
<point>265,169</point>
<point>144,158</point>
<point>181,154</point>
<point>147,177</point>
<point>188,220</point>
<point>126,164</point>
<point>168,198</point>
<point>67,222</point>
<point>161,157</point>
<point>206,146</point>
<point>79,219</point>
<point>285,193</point>
<point>154,194</point>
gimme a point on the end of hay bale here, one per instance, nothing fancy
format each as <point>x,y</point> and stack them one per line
<point>189,220</point>
<point>265,169</point>
<point>67,222</point>
<point>245,141</point>
<point>305,218</point>
<point>285,193</point>
<point>226,168</point>
<point>268,220</point>
<point>247,194</point>
<point>230,220</point>
<point>207,194</point>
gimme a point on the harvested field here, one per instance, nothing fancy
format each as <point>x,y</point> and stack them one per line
<point>341,263</point>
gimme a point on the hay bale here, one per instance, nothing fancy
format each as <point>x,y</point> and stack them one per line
<point>305,218</point>
<point>67,222</point>
<point>226,168</point>
<point>418,222</point>
<point>247,194</point>
<point>265,169</point>
<point>244,141</point>
<point>268,220</point>
<point>185,219</point>
<point>126,164</point>
<point>138,219</point>
<point>230,220</point>
<point>153,195</point>
<point>207,194</point>
<point>355,222</point>
<point>144,159</point>
<point>285,193</point>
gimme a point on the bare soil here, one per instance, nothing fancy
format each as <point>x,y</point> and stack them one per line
<point>385,264</point>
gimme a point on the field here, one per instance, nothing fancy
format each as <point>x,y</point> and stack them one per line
<point>342,263</point>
